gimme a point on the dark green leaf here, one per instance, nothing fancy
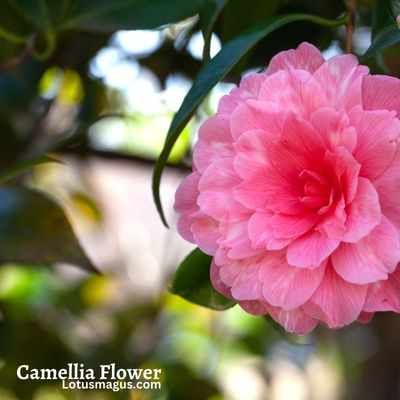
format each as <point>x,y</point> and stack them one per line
<point>382,16</point>
<point>106,15</point>
<point>12,27</point>
<point>34,230</point>
<point>387,37</point>
<point>208,16</point>
<point>42,14</point>
<point>211,74</point>
<point>235,21</point>
<point>385,31</point>
<point>192,282</point>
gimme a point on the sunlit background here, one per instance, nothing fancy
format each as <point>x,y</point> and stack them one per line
<point>123,90</point>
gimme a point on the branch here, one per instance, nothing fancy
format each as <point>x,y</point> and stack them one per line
<point>111,155</point>
<point>351,11</point>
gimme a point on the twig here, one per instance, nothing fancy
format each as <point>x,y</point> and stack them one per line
<point>351,11</point>
<point>87,152</point>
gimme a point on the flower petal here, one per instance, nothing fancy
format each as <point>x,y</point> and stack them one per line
<point>251,155</point>
<point>261,235</point>
<point>378,132</point>
<point>234,238</point>
<point>243,279</point>
<point>249,88</point>
<point>310,250</point>
<point>292,226</point>
<point>306,57</point>
<point>267,190</point>
<point>388,187</point>
<point>294,321</point>
<point>333,127</point>
<point>186,195</point>
<point>381,92</point>
<point>364,213</point>
<point>337,76</point>
<point>217,282</point>
<point>336,302</point>
<point>286,286</point>
<point>215,142</point>
<point>216,185</point>
<point>372,258</point>
<point>205,234</point>
<point>255,307</point>
<point>294,90</point>
<point>384,295</point>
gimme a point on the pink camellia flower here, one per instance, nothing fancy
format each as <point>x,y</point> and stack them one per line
<point>295,192</point>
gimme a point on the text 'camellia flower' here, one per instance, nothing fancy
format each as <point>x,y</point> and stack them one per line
<point>295,192</point>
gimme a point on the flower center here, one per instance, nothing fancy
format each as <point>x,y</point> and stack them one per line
<point>317,193</point>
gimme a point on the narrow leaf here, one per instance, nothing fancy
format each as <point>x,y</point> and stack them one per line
<point>208,16</point>
<point>212,73</point>
<point>107,16</point>
<point>387,37</point>
<point>385,31</point>
<point>192,282</point>
<point>382,16</point>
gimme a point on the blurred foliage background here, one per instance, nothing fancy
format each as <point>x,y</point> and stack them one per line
<point>88,90</point>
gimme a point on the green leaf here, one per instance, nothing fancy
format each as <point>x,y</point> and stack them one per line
<point>385,31</point>
<point>235,21</point>
<point>208,16</point>
<point>214,71</point>
<point>41,13</point>
<point>382,16</point>
<point>192,282</point>
<point>107,15</point>
<point>389,36</point>
<point>34,230</point>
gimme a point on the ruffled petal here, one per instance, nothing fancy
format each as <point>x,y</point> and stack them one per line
<point>370,259</point>
<point>205,234</point>
<point>378,132</point>
<point>310,250</point>
<point>261,234</point>
<point>338,77</point>
<point>217,282</point>
<point>216,187</point>
<point>336,302</point>
<point>286,286</point>
<point>384,295</point>
<point>251,155</point>
<point>292,226</point>
<point>381,92</point>
<point>294,321</point>
<point>364,213</point>
<point>243,279</point>
<point>294,90</point>
<point>333,127</point>
<point>306,57</point>
<point>388,188</point>
<point>235,239</point>
<point>215,142</point>
<point>186,195</point>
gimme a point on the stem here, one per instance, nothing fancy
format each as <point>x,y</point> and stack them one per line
<point>351,11</point>
<point>50,44</point>
<point>11,37</point>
